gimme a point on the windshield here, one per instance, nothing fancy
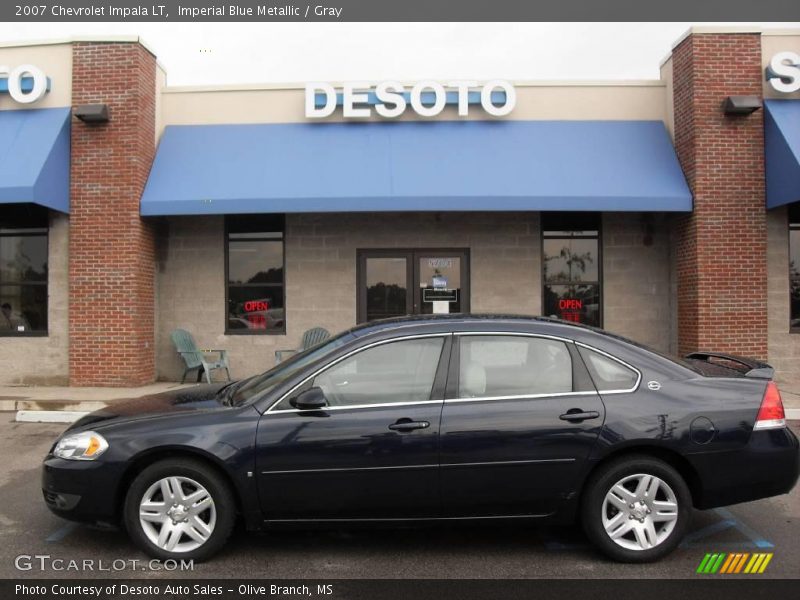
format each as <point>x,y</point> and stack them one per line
<point>250,388</point>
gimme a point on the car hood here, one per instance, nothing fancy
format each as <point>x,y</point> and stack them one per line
<point>200,397</point>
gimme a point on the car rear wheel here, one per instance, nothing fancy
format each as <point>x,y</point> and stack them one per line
<point>180,509</point>
<point>636,509</point>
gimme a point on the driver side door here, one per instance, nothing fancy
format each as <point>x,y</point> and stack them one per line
<point>372,452</point>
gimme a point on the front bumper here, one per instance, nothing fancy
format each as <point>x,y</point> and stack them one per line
<point>767,466</point>
<point>81,490</point>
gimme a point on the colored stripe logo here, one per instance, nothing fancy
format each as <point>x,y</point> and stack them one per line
<point>734,563</point>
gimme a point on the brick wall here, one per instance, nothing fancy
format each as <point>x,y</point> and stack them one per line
<point>111,273</point>
<point>721,246</point>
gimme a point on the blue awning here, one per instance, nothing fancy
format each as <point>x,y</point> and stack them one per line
<point>416,166</point>
<point>34,157</point>
<point>782,151</point>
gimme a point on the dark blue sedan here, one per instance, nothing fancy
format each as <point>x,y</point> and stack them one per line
<point>437,419</point>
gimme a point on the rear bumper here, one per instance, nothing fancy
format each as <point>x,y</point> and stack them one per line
<point>83,491</point>
<point>767,466</point>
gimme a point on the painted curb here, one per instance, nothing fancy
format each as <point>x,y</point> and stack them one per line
<point>49,416</point>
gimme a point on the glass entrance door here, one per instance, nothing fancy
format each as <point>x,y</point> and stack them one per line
<point>393,283</point>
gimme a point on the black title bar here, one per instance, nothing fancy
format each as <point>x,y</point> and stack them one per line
<point>399,10</point>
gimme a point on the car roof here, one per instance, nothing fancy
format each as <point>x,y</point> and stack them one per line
<point>454,320</point>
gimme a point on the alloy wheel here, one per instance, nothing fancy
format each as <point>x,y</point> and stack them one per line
<point>640,512</point>
<point>177,514</point>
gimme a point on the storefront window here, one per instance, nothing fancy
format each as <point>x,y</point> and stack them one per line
<point>255,274</point>
<point>23,270</point>
<point>571,267</point>
<point>794,267</point>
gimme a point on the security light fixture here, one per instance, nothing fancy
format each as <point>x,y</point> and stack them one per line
<point>741,105</point>
<point>92,113</point>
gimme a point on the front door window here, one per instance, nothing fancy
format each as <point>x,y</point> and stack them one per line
<point>394,283</point>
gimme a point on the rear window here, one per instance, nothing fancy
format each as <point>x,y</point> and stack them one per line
<point>607,373</point>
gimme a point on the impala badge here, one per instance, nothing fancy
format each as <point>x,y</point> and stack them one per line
<point>653,385</point>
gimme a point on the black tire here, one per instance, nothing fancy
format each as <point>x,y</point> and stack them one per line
<point>608,475</point>
<point>202,473</point>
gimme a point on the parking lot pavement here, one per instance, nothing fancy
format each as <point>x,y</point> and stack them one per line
<point>28,528</point>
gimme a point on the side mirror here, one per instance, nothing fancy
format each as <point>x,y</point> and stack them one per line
<point>310,399</point>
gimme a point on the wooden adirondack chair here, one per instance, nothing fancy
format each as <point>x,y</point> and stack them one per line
<point>195,358</point>
<point>312,337</point>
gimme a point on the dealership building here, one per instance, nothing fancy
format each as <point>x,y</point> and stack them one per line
<point>667,211</point>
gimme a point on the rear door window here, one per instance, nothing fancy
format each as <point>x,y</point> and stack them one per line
<point>502,366</point>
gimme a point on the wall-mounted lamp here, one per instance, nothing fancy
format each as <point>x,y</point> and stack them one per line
<point>741,105</point>
<point>92,113</point>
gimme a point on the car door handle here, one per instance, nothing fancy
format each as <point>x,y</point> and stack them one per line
<point>408,425</point>
<point>576,415</point>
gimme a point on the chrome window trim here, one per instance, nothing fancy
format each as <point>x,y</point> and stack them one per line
<point>348,355</point>
<point>516,334</point>
<point>620,361</point>
<point>460,400</point>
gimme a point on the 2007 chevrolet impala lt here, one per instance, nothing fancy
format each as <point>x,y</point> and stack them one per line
<point>437,419</point>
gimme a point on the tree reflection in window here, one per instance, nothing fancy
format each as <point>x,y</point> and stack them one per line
<point>571,268</point>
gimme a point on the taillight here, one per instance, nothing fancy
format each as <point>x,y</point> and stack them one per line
<point>771,415</point>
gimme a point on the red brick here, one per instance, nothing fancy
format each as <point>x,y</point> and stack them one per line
<point>111,262</point>
<point>721,253</point>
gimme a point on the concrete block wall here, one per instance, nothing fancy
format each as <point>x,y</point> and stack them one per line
<point>44,360</point>
<point>784,347</point>
<point>637,291</point>
<point>321,274</point>
<point>505,275</point>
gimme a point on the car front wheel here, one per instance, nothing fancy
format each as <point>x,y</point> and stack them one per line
<point>179,509</point>
<point>636,509</point>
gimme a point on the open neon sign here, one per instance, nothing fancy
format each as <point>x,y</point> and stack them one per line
<point>571,309</point>
<point>255,310</point>
<point>256,306</point>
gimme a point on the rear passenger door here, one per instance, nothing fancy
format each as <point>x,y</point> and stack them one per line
<point>519,419</point>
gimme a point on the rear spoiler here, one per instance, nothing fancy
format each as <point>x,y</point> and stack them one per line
<point>752,368</point>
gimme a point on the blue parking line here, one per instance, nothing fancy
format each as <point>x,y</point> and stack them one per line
<point>754,536</point>
<point>729,520</point>
<point>60,534</point>
<point>709,530</point>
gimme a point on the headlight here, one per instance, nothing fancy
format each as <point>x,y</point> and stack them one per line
<point>86,445</point>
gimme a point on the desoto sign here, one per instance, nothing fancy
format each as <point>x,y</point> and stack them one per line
<point>783,73</point>
<point>25,84</point>
<point>390,99</point>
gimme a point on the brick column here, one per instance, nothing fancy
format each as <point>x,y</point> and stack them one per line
<point>111,249</point>
<point>722,245</point>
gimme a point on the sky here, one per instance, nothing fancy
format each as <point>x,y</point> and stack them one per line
<point>252,53</point>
